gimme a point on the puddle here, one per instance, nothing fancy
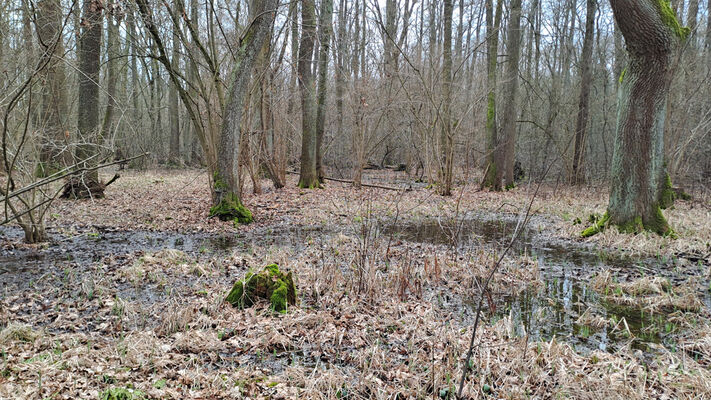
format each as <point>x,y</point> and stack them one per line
<point>22,265</point>
<point>553,309</point>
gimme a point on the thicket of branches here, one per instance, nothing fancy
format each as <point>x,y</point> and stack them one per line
<point>424,84</point>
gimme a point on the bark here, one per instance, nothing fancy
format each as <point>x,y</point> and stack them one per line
<point>88,100</point>
<point>508,123</point>
<point>53,155</point>
<point>325,32</point>
<point>652,35</point>
<point>112,51</point>
<point>390,33</point>
<point>174,117</point>
<point>340,67</point>
<point>493,21</point>
<point>577,175</point>
<point>309,176</point>
<point>446,134</point>
<point>227,203</point>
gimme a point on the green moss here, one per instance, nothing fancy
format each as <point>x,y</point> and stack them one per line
<point>668,194</point>
<point>669,18</point>
<point>121,394</point>
<point>270,284</point>
<point>218,183</point>
<point>622,75</point>
<point>659,224</point>
<point>633,226</point>
<point>598,225</point>
<point>231,208</point>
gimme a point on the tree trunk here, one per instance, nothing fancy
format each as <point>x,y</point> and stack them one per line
<point>325,32</point>
<point>173,105</point>
<point>309,176</point>
<point>340,67</point>
<point>492,45</point>
<point>507,147</point>
<point>88,101</point>
<point>446,134</point>
<point>652,35</point>
<point>578,175</point>
<point>227,202</point>
<point>53,156</point>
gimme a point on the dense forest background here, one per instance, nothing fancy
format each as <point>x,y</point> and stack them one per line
<point>404,84</point>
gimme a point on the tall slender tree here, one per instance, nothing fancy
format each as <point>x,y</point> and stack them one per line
<point>577,175</point>
<point>53,154</point>
<point>228,204</point>
<point>493,22</point>
<point>508,124</point>
<point>307,86</point>
<point>325,32</point>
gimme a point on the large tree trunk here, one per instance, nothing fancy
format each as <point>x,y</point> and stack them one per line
<point>88,102</point>
<point>652,35</point>
<point>309,176</point>
<point>577,175</point>
<point>325,39</point>
<point>492,46</point>
<point>507,147</point>
<point>53,155</point>
<point>227,202</point>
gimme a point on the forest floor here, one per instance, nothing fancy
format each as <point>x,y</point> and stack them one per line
<point>128,298</point>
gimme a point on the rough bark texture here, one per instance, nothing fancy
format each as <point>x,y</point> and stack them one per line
<point>88,101</point>
<point>53,155</point>
<point>492,45</point>
<point>227,203</point>
<point>652,35</point>
<point>309,176</point>
<point>508,126</point>
<point>325,32</point>
<point>577,175</point>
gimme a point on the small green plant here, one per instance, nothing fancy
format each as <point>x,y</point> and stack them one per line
<point>121,394</point>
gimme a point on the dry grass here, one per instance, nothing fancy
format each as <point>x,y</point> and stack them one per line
<point>378,318</point>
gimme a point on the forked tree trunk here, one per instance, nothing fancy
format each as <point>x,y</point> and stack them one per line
<point>227,202</point>
<point>652,35</point>
<point>309,176</point>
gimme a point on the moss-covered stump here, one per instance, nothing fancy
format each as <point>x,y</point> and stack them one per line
<point>230,208</point>
<point>270,284</point>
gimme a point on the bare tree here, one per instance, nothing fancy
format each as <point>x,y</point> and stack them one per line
<point>577,175</point>
<point>307,85</point>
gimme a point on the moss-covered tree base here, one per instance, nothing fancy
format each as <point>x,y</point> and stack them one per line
<point>658,224</point>
<point>230,208</point>
<point>270,284</point>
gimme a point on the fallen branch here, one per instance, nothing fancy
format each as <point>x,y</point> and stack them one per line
<point>371,185</point>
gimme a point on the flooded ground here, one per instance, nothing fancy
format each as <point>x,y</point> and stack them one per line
<point>554,309</point>
<point>540,312</point>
